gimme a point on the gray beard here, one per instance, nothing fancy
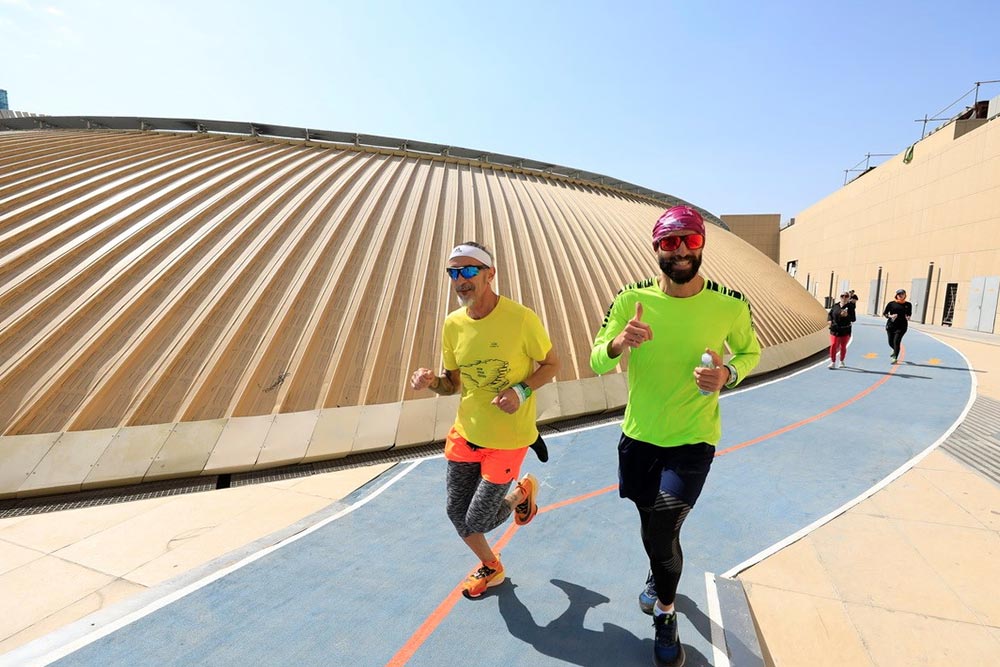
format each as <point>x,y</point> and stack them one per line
<point>677,275</point>
<point>465,299</point>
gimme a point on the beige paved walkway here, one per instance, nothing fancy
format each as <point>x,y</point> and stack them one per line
<point>58,567</point>
<point>908,577</point>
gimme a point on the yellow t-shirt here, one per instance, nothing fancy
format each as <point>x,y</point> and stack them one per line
<point>492,354</point>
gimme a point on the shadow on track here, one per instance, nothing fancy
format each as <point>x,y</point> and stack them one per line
<point>566,638</point>
<point>897,374</point>
<point>947,368</point>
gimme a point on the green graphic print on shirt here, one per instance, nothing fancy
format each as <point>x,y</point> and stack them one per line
<point>488,374</point>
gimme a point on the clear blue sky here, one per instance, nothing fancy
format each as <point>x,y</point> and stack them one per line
<point>736,107</point>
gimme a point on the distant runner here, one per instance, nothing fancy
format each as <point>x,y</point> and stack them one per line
<point>897,320</point>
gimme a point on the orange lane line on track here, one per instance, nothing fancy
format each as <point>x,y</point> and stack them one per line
<point>417,639</point>
<point>571,501</point>
<point>809,420</point>
<point>429,625</point>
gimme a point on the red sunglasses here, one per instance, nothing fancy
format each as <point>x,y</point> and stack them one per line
<point>671,243</point>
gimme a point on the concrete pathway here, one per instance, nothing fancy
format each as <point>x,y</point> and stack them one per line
<point>910,576</point>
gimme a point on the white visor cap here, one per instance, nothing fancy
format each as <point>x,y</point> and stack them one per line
<point>472,252</point>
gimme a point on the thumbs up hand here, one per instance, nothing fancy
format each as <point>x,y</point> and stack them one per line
<point>635,333</point>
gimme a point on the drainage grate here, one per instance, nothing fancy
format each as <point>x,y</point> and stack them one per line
<point>356,461</point>
<point>976,442</point>
<point>121,494</point>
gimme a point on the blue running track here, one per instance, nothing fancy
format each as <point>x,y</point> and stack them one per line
<point>376,582</point>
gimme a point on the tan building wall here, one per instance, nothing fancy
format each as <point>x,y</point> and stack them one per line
<point>943,206</point>
<point>760,231</point>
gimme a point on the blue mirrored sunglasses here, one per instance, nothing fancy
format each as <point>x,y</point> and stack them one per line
<point>467,272</point>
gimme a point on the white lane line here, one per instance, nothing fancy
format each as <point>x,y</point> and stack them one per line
<point>719,651</point>
<point>89,638</point>
<point>798,535</point>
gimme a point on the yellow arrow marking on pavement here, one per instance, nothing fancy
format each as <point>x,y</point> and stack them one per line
<point>934,361</point>
<point>871,355</point>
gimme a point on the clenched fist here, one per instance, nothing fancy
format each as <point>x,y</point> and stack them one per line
<point>507,400</point>
<point>422,378</point>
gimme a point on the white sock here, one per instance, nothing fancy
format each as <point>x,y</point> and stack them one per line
<point>659,612</point>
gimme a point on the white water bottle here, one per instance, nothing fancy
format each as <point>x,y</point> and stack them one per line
<point>706,362</point>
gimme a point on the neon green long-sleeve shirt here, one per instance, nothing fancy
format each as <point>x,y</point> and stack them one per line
<point>664,405</point>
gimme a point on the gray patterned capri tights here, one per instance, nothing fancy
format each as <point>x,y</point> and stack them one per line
<point>474,505</point>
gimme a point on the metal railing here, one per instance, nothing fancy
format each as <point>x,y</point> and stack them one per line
<point>923,134</point>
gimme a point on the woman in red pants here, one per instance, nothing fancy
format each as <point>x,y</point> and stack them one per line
<point>840,318</point>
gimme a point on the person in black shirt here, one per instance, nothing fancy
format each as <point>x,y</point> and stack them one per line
<point>897,313</point>
<point>840,318</point>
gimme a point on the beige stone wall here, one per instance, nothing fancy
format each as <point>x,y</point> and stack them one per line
<point>941,207</point>
<point>760,231</point>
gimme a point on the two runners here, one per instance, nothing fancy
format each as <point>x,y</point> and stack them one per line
<point>497,354</point>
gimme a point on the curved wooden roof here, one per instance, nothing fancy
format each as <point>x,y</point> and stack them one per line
<point>152,278</point>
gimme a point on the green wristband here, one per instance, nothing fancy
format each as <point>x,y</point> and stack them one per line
<point>522,390</point>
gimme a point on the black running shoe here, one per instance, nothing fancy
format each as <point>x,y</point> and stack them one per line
<point>667,649</point>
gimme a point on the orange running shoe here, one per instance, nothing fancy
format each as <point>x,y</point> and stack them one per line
<point>525,511</point>
<point>487,576</point>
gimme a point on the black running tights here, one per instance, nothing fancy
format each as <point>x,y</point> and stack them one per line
<point>661,536</point>
<point>895,337</point>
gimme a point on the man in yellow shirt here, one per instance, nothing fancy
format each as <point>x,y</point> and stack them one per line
<point>497,354</point>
